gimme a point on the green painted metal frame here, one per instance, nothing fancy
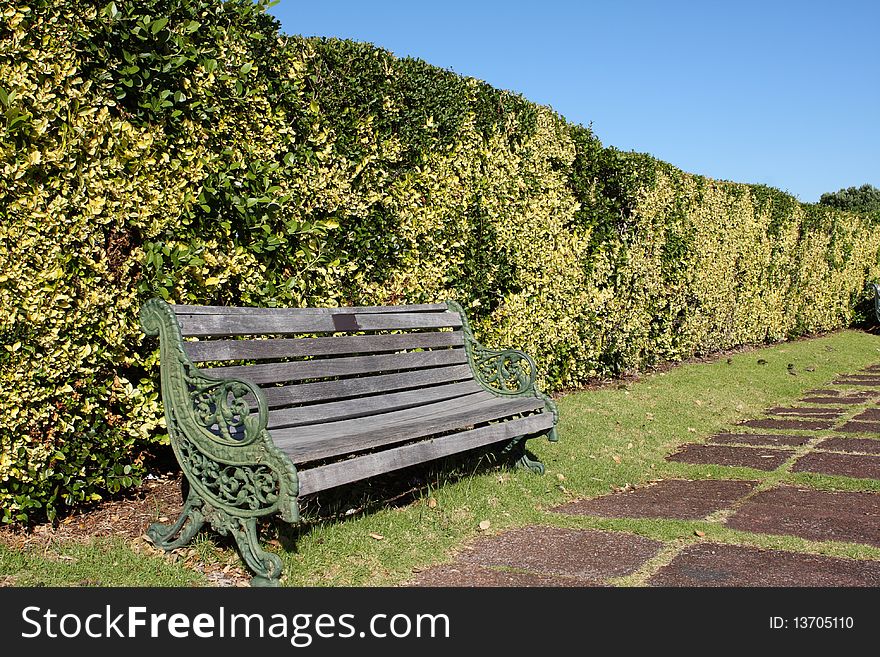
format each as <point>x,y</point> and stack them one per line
<point>236,474</point>
<point>507,373</point>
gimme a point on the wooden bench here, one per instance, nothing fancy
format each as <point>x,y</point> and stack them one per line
<point>361,391</point>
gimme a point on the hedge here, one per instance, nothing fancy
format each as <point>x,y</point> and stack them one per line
<point>188,149</point>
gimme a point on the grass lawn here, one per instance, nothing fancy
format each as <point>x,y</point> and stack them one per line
<point>609,437</point>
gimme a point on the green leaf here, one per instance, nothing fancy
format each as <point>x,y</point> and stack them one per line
<point>158,24</point>
<point>246,68</point>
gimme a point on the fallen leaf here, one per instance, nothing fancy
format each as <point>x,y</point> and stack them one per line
<point>432,503</point>
<point>697,532</point>
<point>698,402</point>
<point>378,537</point>
<point>484,525</point>
<point>691,430</point>
<point>630,446</point>
<point>560,476</point>
<point>615,458</point>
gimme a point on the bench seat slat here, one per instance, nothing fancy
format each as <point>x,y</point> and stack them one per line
<point>220,350</point>
<point>361,467</point>
<point>329,367</point>
<point>182,309</point>
<point>364,406</point>
<point>330,390</point>
<point>303,444</point>
<point>195,325</point>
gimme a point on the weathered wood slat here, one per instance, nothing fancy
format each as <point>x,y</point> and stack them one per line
<point>323,368</point>
<point>220,350</point>
<point>330,390</point>
<point>181,309</point>
<point>362,467</point>
<point>364,406</point>
<point>194,325</point>
<point>303,444</point>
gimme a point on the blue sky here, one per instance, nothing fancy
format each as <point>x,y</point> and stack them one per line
<point>781,93</point>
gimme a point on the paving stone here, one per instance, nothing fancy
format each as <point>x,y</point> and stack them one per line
<point>849,399</point>
<point>859,427</point>
<point>806,411</point>
<point>845,465</point>
<point>672,498</point>
<point>857,382</point>
<point>746,457</point>
<point>713,564</point>
<point>464,574</point>
<point>865,445</point>
<point>797,425</point>
<point>869,414</point>
<point>812,514</point>
<point>759,439</point>
<point>589,555</point>
<point>861,377</point>
<point>871,368</point>
<point>823,392</point>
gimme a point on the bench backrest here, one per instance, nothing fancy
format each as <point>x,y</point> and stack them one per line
<point>341,354</point>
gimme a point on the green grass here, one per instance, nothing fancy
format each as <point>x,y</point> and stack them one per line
<point>100,562</point>
<point>609,437</point>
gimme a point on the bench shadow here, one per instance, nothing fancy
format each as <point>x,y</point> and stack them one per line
<point>396,489</point>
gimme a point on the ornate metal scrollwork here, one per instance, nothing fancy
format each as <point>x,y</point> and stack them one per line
<point>506,372</point>
<point>251,487</point>
<point>236,473</point>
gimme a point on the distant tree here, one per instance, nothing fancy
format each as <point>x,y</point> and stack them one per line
<point>861,199</point>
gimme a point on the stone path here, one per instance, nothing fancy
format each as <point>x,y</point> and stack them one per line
<point>831,431</point>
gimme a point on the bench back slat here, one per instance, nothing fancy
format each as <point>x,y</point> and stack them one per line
<point>291,323</point>
<point>182,309</point>
<point>324,368</point>
<point>355,387</point>
<point>342,345</point>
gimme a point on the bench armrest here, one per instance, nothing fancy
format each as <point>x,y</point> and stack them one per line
<point>504,372</point>
<point>217,428</point>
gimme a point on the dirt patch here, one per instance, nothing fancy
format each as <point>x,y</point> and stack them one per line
<point>593,556</point>
<point>673,498</point>
<point>713,564</point>
<point>127,518</point>
<point>857,382</point>
<point>860,427</point>
<point>746,457</point>
<point>759,439</point>
<point>790,425</point>
<point>464,574</point>
<point>844,465</point>
<point>869,414</point>
<point>806,411</point>
<point>864,445</point>
<point>812,514</point>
